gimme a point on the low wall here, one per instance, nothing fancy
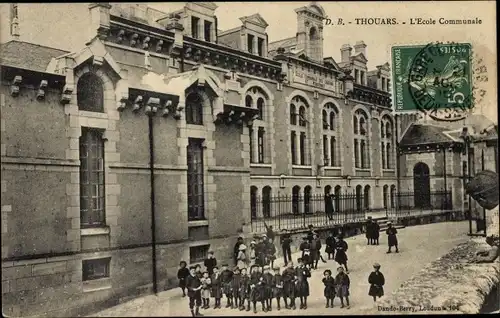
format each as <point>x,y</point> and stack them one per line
<point>453,284</point>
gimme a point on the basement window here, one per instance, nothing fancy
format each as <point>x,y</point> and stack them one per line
<point>198,253</point>
<point>95,268</point>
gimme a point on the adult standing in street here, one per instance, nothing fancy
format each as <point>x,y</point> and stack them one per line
<point>210,263</point>
<point>391,237</point>
<point>236,250</point>
<point>376,232</point>
<point>286,242</point>
<point>369,231</point>
<point>193,285</point>
<point>329,204</point>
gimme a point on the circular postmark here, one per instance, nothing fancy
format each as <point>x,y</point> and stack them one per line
<point>440,81</point>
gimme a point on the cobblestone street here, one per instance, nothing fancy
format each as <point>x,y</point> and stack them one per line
<point>419,245</point>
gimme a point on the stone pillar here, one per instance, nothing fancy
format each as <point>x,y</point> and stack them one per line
<point>99,15</point>
<point>328,151</point>
<point>201,29</point>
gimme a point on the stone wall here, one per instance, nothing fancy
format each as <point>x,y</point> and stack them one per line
<point>453,282</point>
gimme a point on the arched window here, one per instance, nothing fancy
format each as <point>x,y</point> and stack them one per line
<point>266,201</point>
<point>385,193</point>
<point>299,134</point>
<point>307,200</point>
<point>257,98</point>
<point>328,189</point>
<point>359,198</point>
<point>260,107</point>
<point>90,93</point>
<point>293,115</point>
<point>248,101</point>
<point>386,142</point>
<point>253,202</point>
<point>361,140</point>
<point>313,34</point>
<point>194,109</point>
<point>338,193</point>
<point>302,116</point>
<point>295,199</point>
<point>393,196</point>
<point>367,198</point>
<point>330,137</point>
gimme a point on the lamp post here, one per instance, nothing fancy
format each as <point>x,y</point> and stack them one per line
<point>465,136</point>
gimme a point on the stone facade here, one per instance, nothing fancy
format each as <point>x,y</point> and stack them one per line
<point>148,65</point>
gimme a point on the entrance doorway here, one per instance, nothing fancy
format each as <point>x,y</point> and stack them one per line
<point>421,186</point>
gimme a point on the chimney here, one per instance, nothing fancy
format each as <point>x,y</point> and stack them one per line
<point>360,47</point>
<point>99,15</point>
<point>14,21</point>
<point>345,53</point>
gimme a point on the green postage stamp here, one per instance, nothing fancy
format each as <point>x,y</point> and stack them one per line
<point>434,78</point>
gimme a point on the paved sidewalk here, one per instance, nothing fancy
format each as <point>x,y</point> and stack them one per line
<point>419,245</point>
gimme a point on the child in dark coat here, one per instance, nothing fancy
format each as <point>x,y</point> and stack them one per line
<point>268,280</point>
<point>194,286</point>
<point>302,287</point>
<point>216,287</point>
<point>391,237</point>
<point>205,290</point>
<point>277,285</point>
<point>340,252</point>
<point>305,248</point>
<point>330,246</point>
<point>376,281</point>
<point>235,287</point>
<point>257,288</point>
<point>244,292</point>
<point>226,280</point>
<point>289,280</point>
<point>210,263</point>
<point>342,284</point>
<point>329,291</point>
<point>182,274</point>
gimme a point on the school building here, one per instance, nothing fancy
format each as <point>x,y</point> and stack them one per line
<point>149,143</point>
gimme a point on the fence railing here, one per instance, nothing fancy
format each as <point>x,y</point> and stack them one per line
<point>298,211</point>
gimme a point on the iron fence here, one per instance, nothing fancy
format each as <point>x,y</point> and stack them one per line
<point>294,212</point>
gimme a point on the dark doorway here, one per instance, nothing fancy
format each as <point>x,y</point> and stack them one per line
<point>421,186</point>
<point>295,199</point>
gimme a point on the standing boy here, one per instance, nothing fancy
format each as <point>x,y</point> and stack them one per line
<point>210,263</point>
<point>286,241</point>
<point>340,254</point>
<point>302,286</point>
<point>391,237</point>
<point>235,287</point>
<point>216,287</point>
<point>289,279</point>
<point>182,275</point>
<point>268,282</point>
<point>376,281</point>
<point>226,280</point>
<point>277,284</point>
<point>329,291</point>
<point>305,247</point>
<point>369,231</point>
<point>194,286</point>
<point>244,290</point>
<point>342,285</point>
<point>330,245</point>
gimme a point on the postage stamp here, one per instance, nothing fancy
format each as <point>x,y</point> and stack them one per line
<point>435,79</point>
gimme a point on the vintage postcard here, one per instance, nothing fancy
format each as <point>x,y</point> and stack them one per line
<point>249,158</point>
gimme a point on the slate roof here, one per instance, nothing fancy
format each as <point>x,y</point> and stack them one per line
<point>419,134</point>
<point>285,43</point>
<point>27,55</point>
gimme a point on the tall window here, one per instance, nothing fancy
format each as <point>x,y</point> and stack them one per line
<point>260,46</point>
<point>266,201</point>
<point>194,109</point>
<point>385,193</point>
<point>366,195</point>
<point>92,178</point>
<point>195,24</point>
<point>253,201</point>
<point>330,135</point>
<point>250,43</point>
<point>393,196</point>
<point>208,30</point>
<point>90,93</point>
<point>196,206</point>
<point>362,77</point>
<point>257,98</point>
<point>299,131</point>
<point>307,200</point>
<point>386,142</point>
<point>260,148</point>
<point>295,199</point>
<point>361,145</point>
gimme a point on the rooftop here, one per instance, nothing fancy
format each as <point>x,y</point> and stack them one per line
<point>27,55</point>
